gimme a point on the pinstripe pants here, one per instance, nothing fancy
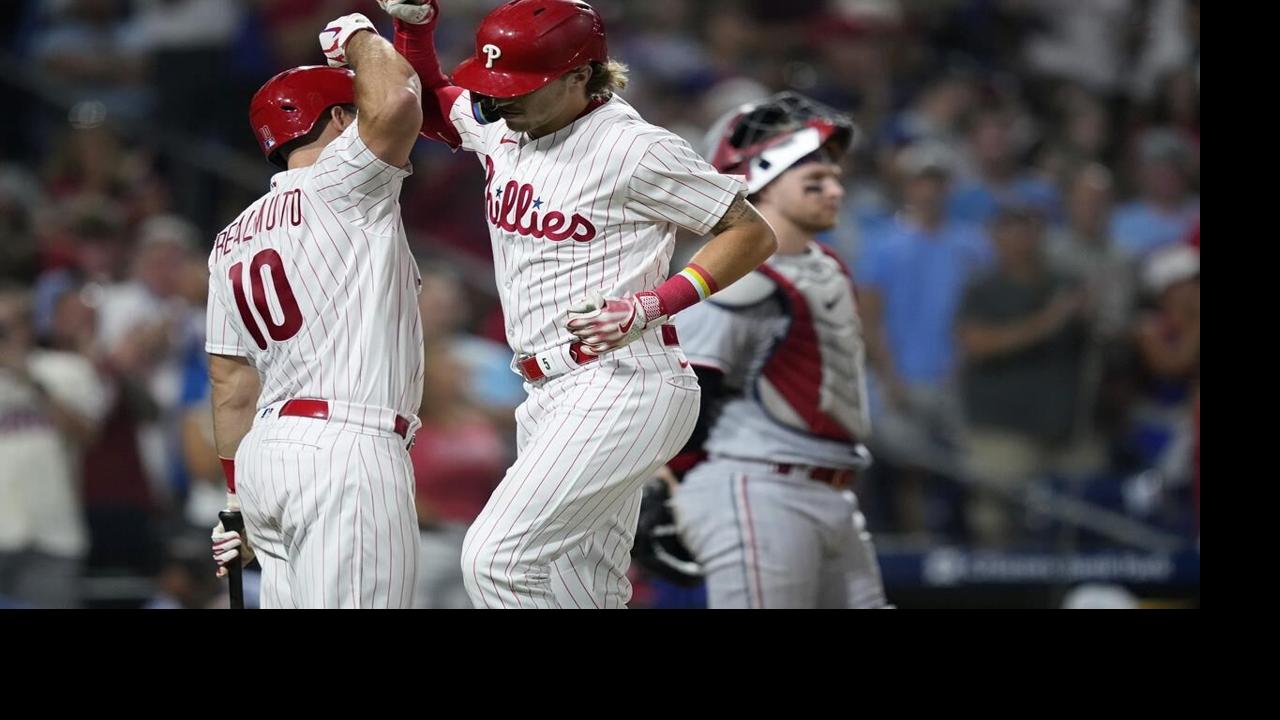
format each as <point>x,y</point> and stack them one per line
<point>557,532</point>
<point>329,510</point>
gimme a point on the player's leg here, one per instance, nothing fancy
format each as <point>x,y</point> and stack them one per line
<point>594,573</point>
<point>759,545</point>
<point>351,522</point>
<point>602,433</point>
<point>258,491</point>
<point>851,573</point>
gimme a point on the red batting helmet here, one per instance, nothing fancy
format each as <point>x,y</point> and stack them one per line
<point>764,139</point>
<point>525,44</point>
<point>289,104</point>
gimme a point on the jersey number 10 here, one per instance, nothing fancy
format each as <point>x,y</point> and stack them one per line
<point>292,321</point>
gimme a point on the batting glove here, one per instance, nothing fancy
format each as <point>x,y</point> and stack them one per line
<point>608,324</point>
<point>333,39</point>
<point>414,12</point>
<point>228,546</point>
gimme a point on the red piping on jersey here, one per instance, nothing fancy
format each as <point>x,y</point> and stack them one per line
<point>797,372</point>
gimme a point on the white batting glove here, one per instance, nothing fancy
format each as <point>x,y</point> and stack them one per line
<point>605,324</point>
<point>333,39</point>
<point>414,12</point>
<point>227,546</point>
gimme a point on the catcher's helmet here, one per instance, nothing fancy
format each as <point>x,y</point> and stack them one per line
<point>525,44</point>
<point>764,139</point>
<point>288,105</point>
<point>658,547</point>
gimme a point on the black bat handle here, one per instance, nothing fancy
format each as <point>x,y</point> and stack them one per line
<point>233,522</point>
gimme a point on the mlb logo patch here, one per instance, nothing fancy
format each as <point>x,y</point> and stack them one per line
<point>268,139</point>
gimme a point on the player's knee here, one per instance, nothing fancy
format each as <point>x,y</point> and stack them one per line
<point>488,566</point>
<point>480,564</point>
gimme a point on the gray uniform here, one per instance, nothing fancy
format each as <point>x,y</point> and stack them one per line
<point>788,342</point>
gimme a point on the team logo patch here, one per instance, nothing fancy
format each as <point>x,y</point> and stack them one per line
<point>491,51</point>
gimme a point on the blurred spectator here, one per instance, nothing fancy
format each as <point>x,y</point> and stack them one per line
<point>999,175</point>
<point>89,161</point>
<point>145,325</point>
<point>167,24</point>
<point>458,459</point>
<point>87,238</point>
<point>1167,209</point>
<point>486,365</point>
<point>20,198</point>
<point>936,113</point>
<point>1083,136</point>
<point>187,42</point>
<point>854,42</point>
<point>201,471</point>
<point>206,483</point>
<point>51,403</point>
<point>910,278</point>
<point>91,48</point>
<point>1177,106</point>
<point>64,319</point>
<point>1167,36</point>
<point>1084,249</point>
<point>1168,342</point>
<point>1083,42</point>
<point>1023,336</point>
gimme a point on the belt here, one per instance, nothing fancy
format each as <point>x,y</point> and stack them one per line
<point>835,477</point>
<point>319,409</point>
<point>563,358</point>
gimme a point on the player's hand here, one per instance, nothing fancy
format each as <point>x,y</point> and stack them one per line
<point>333,39</point>
<point>605,324</point>
<point>227,546</point>
<point>414,12</point>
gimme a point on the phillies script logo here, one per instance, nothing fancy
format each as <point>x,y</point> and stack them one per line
<point>515,209</point>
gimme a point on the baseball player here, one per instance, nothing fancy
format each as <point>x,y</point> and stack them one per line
<point>583,199</point>
<point>770,514</point>
<point>315,337</point>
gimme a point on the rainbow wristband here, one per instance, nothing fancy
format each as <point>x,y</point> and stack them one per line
<point>689,287</point>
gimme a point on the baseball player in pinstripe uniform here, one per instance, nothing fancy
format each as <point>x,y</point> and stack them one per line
<point>768,510</point>
<point>315,337</point>
<point>583,199</point>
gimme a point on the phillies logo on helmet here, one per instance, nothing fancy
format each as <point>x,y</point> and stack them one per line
<point>493,52</point>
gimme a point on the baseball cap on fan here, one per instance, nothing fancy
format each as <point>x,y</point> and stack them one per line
<point>927,158</point>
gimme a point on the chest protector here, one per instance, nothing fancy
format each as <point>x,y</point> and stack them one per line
<point>814,378</point>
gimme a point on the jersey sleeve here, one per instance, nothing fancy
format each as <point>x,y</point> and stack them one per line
<point>672,183</point>
<point>358,185</point>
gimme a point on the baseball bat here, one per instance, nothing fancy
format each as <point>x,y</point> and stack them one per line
<point>233,522</point>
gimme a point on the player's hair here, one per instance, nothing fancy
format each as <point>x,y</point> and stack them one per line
<point>607,78</point>
<point>321,123</point>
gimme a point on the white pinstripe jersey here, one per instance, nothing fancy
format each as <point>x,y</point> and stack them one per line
<point>315,284</point>
<point>592,206</point>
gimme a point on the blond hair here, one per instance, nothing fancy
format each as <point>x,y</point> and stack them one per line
<point>606,78</point>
